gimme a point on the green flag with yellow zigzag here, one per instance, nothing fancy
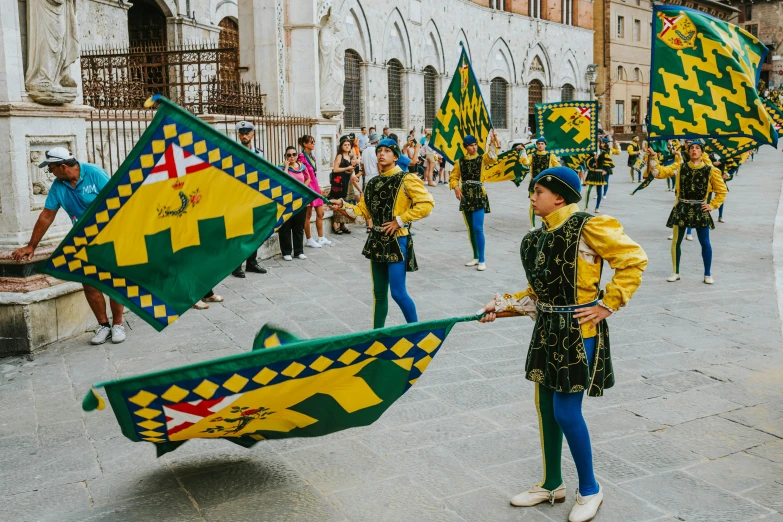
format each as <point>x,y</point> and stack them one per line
<point>704,75</point>
<point>570,127</point>
<point>462,112</point>
<point>284,388</point>
<point>184,209</point>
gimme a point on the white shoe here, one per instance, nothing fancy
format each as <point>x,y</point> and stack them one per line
<point>481,267</point>
<point>720,220</point>
<point>596,211</point>
<point>102,335</point>
<point>287,258</point>
<point>708,280</point>
<point>301,256</point>
<point>117,333</point>
<point>671,236</point>
<point>537,495</point>
<point>532,229</point>
<point>474,262</point>
<point>585,508</point>
<point>312,243</point>
<point>324,241</point>
<point>689,237</point>
<point>672,278</point>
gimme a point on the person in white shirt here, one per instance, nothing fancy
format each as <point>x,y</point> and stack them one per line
<point>363,139</point>
<point>370,165</point>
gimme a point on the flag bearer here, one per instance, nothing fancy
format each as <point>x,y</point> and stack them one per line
<point>539,162</point>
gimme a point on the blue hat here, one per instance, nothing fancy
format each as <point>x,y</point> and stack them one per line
<point>469,140</point>
<point>541,140</point>
<point>607,139</point>
<point>389,144</point>
<point>698,142</point>
<point>563,181</point>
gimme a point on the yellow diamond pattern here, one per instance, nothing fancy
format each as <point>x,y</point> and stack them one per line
<point>146,301</point>
<point>159,311</point>
<point>227,163</point>
<point>80,241</point>
<point>158,146</point>
<point>429,343</point>
<point>150,424</point>
<point>172,318</point>
<point>406,363</point>
<point>321,364</point>
<point>375,349</point>
<point>293,369</point>
<point>90,231</point>
<point>288,198</point>
<point>125,190</point>
<point>214,155</point>
<point>251,178</point>
<point>200,147</point>
<point>133,291</point>
<point>272,341</point>
<point>120,282</point>
<point>69,250</point>
<point>102,217</point>
<point>75,264</point>
<point>264,185</point>
<point>150,433</point>
<point>58,261</point>
<point>175,394</point>
<point>277,192</point>
<point>349,356</point>
<point>235,383</point>
<point>423,363</point>
<point>239,170</point>
<point>147,161</point>
<point>103,276</point>
<point>89,270</point>
<point>206,389</point>
<point>170,130</point>
<point>185,139</point>
<point>143,398</point>
<point>136,175</point>
<point>148,413</point>
<point>265,376</point>
<point>401,347</point>
<point>297,204</point>
<point>153,439</point>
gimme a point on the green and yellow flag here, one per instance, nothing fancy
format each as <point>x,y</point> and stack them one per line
<point>509,167</point>
<point>775,112</point>
<point>704,74</point>
<point>728,147</point>
<point>576,162</point>
<point>284,388</point>
<point>184,209</point>
<point>462,112</point>
<point>569,127</point>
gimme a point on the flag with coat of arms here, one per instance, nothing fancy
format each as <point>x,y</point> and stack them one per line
<point>570,127</point>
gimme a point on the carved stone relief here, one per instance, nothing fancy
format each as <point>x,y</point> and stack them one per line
<point>327,153</point>
<point>40,180</point>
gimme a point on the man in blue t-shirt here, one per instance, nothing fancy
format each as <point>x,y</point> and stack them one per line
<point>76,186</point>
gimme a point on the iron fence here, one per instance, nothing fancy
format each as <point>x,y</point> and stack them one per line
<point>112,133</point>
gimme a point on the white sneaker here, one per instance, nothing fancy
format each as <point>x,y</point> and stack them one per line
<point>301,256</point>
<point>708,280</point>
<point>324,241</point>
<point>720,220</point>
<point>102,335</point>
<point>537,495</point>
<point>117,333</point>
<point>473,262</point>
<point>312,243</point>
<point>689,237</point>
<point>596,211</point>
<point>672,278</point>
<point>585,508</point>
<point>481,267</point>
<point>287,258</point>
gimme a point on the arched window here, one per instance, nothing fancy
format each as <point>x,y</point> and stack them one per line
<point>535,94</point>
<point>430,95</point>
<point>621,73</point>
<point>352,91</point>
<point>228,66</point>
<point>146,24</point>
<point>394,73</point>
<point>637,75</point>
<point>567,92</point>
<point>498,97</point>
<point>568,12</point>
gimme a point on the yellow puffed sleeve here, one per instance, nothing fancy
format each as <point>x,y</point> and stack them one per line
<point>455,176</point>
<point>527,159</point>
<point>631,150</point>
<point>487,162</point>
<point>616,150</point>
<point>523,303</point>
<point>553,161</point>
<point>668,171</point>
<point>718,186</point>
<point>360,209</point>
<point>415,203</point>
<point>605,235</point>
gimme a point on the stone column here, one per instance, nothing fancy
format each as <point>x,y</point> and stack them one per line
<point>258,48</point>
<point>34,309</point>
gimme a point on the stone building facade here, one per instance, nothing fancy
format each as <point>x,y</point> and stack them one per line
<point>764,19</point>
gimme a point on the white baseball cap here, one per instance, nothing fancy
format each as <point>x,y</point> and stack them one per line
<point>56,155</point>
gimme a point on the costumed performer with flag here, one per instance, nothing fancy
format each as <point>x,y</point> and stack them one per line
<point>538,162</point>
<point>694,181</point>
<point>608,147</point>
<point>569,349</point>
<point>467,182</point>
<point>634,155</point>
<point>393,200</point>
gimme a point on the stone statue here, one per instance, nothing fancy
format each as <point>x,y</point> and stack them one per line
<point>52,46</point>
<point>331,57</point>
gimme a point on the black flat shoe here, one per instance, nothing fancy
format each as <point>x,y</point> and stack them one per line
<point>239,273</point>
<point>338,231</point>
<point>345,231</point>
<point>256,268</point>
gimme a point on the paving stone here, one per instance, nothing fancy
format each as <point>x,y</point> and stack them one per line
<point>470,395</point>
<point>391,501</point>
<point>491,504</point>
<point>651,453</point>
<point>614,469</point>
<point>491,449</point>
<point>303,504</point>
<point>771,451</point>
<point>767,417</point>
<point>713,505</point>
<point>682,381</point>
<point>681,407</point>
<point>401,414</point>
<point>520,475</point>
<point>618,506</point>
<point>738,472</point>
<point>45,503</point>
<point>173,506</point>
<point>613,423</point>
<point>714,437</point>
<point>456,374</point>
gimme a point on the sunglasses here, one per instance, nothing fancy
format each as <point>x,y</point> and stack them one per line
<point>291,155</point>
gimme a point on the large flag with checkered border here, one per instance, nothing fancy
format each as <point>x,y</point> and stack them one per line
<point>703,81</point>
<point>462,112</point>
<point>284,388</point>
<point>570,127</point>
<point>185,208</point>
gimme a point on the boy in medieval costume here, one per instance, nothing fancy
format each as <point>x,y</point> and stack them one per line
<point>467,182</point>
<point>540,161</point>
<point>694,180</point>
<point>393,200</point>
<point>634,156</point>
<point>569,349</point>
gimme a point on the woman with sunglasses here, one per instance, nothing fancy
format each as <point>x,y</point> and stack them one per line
<point>291,233</point>
<point>306,158</point>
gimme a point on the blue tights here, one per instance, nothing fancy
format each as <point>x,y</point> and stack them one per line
<point>475,222</point>
<point>706,247</point>
<point>606,187</point>
<point>391,276</point>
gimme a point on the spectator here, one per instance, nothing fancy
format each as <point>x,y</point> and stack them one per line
<point>307,143</point>
<point>363,139</point>
<point>431,159</point>
<point>246,134</point>
<point>372,129</point>
<point>75,187</point>
<point>370,166</point>
<point>386,132</point>
<point>342,172</point>
<point>291,233</point>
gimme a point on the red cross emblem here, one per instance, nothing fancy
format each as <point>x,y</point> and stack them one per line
<point>669,23</point>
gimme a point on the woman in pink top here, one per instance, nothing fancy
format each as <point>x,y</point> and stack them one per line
<point>307,143</point>
<point>291,233</point>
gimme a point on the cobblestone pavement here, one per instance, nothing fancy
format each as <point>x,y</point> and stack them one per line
<point>693,429</point>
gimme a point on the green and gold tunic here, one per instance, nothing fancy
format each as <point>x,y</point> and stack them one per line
<point>538,163</point>
<point>694,183</point>
<point>474,197</point>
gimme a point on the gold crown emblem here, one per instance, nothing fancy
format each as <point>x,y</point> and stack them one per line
<point>178,184</point>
